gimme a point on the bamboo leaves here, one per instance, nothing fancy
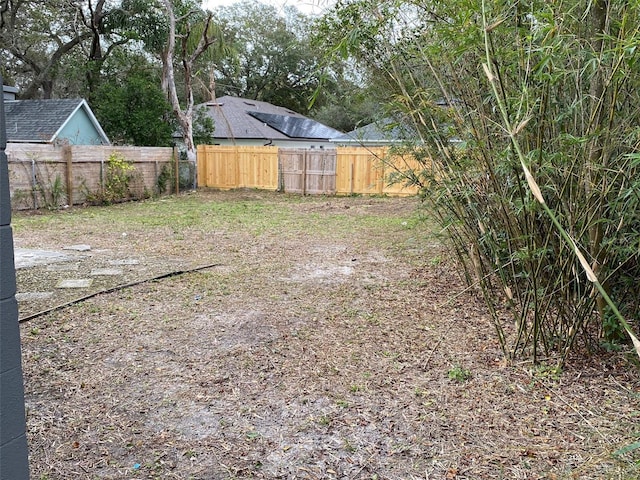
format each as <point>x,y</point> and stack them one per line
<point>536,192</point>
<point>535,189</point>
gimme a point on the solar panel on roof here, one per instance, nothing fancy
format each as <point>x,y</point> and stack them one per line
<point>295,127</point>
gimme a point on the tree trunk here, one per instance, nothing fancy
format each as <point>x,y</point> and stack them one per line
<point>96,57</point>
<point>185,118</point>
<point>188,57</point>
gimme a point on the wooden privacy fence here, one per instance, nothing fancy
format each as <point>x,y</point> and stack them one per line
<point>363,170</point>
<point>343,171</point>
<point>237,167</point>
<point>50,176</point>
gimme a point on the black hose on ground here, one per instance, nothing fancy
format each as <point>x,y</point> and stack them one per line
<point>115,289</point>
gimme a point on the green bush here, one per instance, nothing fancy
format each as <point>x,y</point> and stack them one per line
<point>117,180</point>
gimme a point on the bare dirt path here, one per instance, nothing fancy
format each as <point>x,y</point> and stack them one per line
<point>332,341</point>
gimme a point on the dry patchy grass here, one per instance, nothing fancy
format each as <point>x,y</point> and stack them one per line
<point>331,340</point>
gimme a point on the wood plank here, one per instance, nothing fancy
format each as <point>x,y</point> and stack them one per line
<point>82,174</point>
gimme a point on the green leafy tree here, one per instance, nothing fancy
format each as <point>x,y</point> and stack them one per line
<point>203,127</point>
<point>192,35</point>
<point>346,105</point>
<point>183,37</point>
<point>274,60</point>
<point>133,110</point>
<point>38,38</point>
<point>279,62</point>
<point>34,37</point>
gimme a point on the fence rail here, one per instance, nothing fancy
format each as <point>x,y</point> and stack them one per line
<point>51,176</point>
<point>343,171</point>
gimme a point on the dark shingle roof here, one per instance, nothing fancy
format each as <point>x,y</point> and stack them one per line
<point>37,120</point>
<point>240,118</point>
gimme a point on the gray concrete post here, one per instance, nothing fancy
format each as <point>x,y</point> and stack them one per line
<point>14,464</point>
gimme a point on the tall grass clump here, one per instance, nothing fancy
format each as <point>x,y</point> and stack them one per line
<point>532,165</point>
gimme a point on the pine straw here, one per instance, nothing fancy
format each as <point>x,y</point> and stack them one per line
<point>311,357</point>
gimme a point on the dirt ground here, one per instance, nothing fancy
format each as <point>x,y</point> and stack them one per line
<point>301,354</point>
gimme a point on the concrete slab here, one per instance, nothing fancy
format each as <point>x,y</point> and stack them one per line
<point>78,248</point>
<point>106,272</point>
<point>29,257</point>
<point>26,296</point>
<point>124,262</point>
<point>63,267</point>
<point>75,283</point>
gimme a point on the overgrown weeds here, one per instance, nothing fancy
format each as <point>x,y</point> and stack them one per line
<point>47,188</point>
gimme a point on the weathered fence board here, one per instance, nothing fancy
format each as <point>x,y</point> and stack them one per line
<point>308,171</point>
<point>321,172</point>
<point>50,175</point>
<point>292,169</point>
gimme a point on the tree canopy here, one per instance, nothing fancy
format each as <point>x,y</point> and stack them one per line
<point>79,48</point>
<point>273,60</point>
<point>134,110</point>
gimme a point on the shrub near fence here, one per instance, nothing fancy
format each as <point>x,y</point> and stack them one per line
<point>49,176</point>
<point>343,171</point>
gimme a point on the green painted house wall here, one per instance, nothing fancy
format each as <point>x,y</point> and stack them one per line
<point>80,130</point>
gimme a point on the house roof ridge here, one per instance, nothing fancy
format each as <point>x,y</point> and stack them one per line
<point>42,120</point>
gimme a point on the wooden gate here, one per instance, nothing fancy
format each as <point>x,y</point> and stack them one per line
<point>304,171</point>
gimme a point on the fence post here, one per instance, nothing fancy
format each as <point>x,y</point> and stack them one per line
<point>382,177</point>
<point>236,172</point>
<point>67,156</point>
<point>177,169</point>
<point>203,165</point>
<point>14,463</point>
<point>156,172</point>
<point>101,175</point>
<point>34,183</point>
<point>280,173</point>
<point>304,172</point>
